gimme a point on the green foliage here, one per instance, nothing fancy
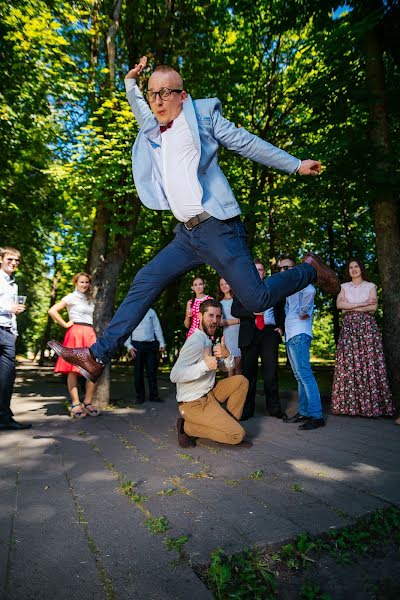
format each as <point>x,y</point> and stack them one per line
<point>251,574</point>
<point>157,524</point>
<point>128,488</point>
<point>176,545</point>
<point>312,591</point>
<point>257,474</point>
<point>296,487</point>
<point>294,77</point>
<point>243,576</point>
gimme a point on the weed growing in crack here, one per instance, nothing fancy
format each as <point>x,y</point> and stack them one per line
<point>157,524</point>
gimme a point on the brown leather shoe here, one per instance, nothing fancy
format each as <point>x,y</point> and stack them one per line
<point>326,278</point>
<point>184,440</point>
<point>81,358</point>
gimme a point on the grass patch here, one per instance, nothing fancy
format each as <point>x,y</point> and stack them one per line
<point>296,487</point>
<point>157,524</point>
<point>258,474</point>
<point>128,489</point>
<point>254,573</point>
<point>187,457</point>
<point>176,544</point>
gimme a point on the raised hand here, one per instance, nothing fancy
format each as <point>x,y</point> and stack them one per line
<point>310,167</point>
<point>220,350</point>
<point>137,69</point>
<point>211,361</point>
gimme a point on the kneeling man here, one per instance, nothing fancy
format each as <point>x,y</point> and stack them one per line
<point>199,399</point>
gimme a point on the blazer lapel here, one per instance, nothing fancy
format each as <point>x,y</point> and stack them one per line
<point>191,118</point>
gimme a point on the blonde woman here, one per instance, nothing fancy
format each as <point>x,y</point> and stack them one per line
<point>80,332</point>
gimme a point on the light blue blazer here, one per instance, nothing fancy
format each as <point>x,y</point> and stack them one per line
<point>209,129</point>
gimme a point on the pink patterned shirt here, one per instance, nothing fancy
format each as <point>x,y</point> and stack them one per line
<point>195,306</point>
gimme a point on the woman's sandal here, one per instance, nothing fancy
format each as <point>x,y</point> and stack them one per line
<point>92,412</point>
<point>78,414</point>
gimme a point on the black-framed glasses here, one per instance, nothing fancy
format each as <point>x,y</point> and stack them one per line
<point>164,93</point>
<point>285,268</point>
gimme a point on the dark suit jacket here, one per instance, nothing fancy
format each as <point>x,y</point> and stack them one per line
<point>247,329</point>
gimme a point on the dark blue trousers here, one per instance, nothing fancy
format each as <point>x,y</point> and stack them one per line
<point>7,372</point>
<point>223,246</point>
<point>146,357</point>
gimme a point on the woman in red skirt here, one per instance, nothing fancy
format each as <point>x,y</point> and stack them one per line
<point>80,333</point>
<point>360,382</point>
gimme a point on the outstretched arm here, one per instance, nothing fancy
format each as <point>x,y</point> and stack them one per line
<point>251,146</point>
<point>138,104</point>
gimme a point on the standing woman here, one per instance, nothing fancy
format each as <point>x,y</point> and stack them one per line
<point>191,321</point>
<point>360,382</point>
<point>80,333</point>
<point>230,324</point>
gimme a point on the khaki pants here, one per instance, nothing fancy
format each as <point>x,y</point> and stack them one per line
<point>207,419</point>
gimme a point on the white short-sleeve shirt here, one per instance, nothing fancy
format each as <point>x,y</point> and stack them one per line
<point>79,308</point>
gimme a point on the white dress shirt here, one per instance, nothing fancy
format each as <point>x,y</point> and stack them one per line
<point>148,330</point>
<point>299,304</point>
<point>180,161</point>
<point>8,289</point>
<point>190,372</point>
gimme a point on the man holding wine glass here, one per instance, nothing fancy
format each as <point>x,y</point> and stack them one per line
<point>11,305</point>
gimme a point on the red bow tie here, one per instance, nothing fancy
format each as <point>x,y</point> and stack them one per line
<point>165,127</point>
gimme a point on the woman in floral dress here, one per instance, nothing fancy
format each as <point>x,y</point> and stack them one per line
<point>360,382</point>
<point>193,305</point>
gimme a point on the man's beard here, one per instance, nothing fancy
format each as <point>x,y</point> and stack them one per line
<point>207,330</point>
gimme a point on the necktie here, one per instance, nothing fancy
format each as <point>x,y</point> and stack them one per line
<point>260,322</point>
<point>165,127</point>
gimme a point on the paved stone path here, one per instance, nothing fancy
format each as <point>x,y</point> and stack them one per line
<point>68,530</point>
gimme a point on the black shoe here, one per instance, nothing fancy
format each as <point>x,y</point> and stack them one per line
<point>11,425</point>
<point>297,418</point>
<point>184,440</point>
<point>137,401</point>
<point>279,415</point>
<point>246,416</point>
<point>313,423</point>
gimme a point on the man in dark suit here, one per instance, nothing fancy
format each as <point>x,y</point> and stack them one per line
<point>260,335</point>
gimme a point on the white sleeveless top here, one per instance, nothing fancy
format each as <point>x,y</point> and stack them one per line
<point>357,293</point>
<point>79,309</point>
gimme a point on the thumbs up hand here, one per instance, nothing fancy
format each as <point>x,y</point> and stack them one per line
<point>220,350</point>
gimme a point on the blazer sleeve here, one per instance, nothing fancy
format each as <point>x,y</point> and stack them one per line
<point>138,104</point>
<point>251,146</point>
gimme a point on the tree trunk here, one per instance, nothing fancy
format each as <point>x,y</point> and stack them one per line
<point>386,207</point>
<point>335,312</point>
<point>46,332</point>
<point>105,265</point>
<point>110,44</point>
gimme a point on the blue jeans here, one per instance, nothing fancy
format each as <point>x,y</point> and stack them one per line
<point>220,244</point>
<point>7,372</point>
<point>298,350</point>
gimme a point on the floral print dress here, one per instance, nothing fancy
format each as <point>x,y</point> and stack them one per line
<point>360,382</point>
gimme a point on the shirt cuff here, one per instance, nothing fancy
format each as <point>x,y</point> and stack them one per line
<point>298,166</point>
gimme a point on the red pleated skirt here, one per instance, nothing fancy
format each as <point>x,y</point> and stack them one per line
<point>77,336</point>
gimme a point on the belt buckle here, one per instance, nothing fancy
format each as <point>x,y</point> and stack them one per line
<point>197,218</point>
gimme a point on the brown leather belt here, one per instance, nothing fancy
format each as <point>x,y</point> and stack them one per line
<point>196,220</point>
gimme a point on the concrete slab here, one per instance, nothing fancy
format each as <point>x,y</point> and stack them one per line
<point>65,518</point>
